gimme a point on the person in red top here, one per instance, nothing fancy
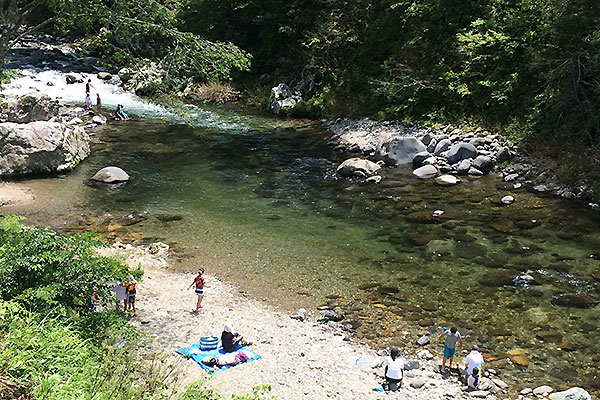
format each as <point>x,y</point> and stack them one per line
<point>199,283</point>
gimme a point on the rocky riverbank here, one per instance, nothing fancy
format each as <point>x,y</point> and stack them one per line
<point>439,152</point>
<point>302,358</point>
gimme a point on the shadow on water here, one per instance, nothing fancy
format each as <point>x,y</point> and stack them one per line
<point>264,208</point>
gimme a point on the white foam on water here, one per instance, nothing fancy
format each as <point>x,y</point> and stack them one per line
<point>32,80</point>
<point>54,84</point>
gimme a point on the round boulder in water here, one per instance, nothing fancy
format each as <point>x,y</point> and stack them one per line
<point>447,180</point>
<point>111,175</point>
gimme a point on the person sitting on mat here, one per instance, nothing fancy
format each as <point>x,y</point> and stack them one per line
<point>229,339</point>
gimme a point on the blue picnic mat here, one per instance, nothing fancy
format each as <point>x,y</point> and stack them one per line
<point>197,355</point>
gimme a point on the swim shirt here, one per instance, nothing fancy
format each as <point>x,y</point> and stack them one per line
<point>451,339</point>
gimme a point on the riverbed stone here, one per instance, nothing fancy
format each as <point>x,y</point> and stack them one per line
<point>111,175</point>
<point>542,390</point>
<point>426,172</point>
<point>299,315</point>
<point>400,150</point>
<point>483,163</point>
<point>461,151</point>
<point>40,147</point>
<point>575,393</point>
<point>417,383</point>
<point>574,300</point>
<point>464,166</point>
<point>423,340</point>
<point>479,394</point>
<point>105,76</point>
<point>374,179</point>
<point>99,119</point>
<point>499,382</point>
<point>447,180</point>
<point>507,200</point>
<point>518,357</point>
<point>29,108</point>
<point>442,145</point>
<point>331,315</point>
<point>358,167</point>
<point>511,177</point>
<point>474,172</point>
<point>419,158</point>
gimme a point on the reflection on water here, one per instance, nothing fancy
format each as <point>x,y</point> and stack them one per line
<point>262,207</point>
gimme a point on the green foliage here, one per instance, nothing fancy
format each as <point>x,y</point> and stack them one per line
<point>43,269</point>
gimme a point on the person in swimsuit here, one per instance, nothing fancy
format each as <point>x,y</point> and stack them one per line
<point>200,285</point>
<point>131,291</point>
<point>89,86</point>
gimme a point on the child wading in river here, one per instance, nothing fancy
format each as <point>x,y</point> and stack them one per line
<point>199,282</point>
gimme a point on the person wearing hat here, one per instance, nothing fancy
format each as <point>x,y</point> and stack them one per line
<point>474,360</point>
<point>230,340</point>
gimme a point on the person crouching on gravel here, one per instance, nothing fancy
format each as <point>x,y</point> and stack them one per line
<point>394,371</point>
<point>200,285</point>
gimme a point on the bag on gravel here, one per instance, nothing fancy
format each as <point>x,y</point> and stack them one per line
<point>209,342</point>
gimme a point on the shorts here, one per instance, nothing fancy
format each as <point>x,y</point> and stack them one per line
<point>200,292</point>
<point>131,299</point>
<point>448,352</point>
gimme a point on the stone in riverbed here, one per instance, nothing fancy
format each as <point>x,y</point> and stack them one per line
<point>411,364</point>
<point>499,382</point>
<point>331,315</point>
<point>480,394</point>
<point>518,357</point>
<point>423,340</point>
<point>474,172</point>
<point>526,391</point>
<point>417,383</point>
<point>483,163</point>
<point>442,146</point>
<point>99,119</point>
<point>542,390</point>
<point>463,167</point>
<point>299,315</point>
<point>574,300</point>
<point>461,151</point>
<point>426,172</point>
<point>358,167</point>
<point>111,175</point>
<point>400,150</point>
<point>447,180</point>
<point>374,179</point>
<point>507,200</point>
<point>575,393</point>
<point>105,76</point>
<point>419,158</point>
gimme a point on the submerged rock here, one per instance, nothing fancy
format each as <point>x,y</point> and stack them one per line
<point>299,315</point>
<point>574,300</point>
<point>111,175</point>
<point>426,172</point>
<point>447,180</point>
<point>358,167</point>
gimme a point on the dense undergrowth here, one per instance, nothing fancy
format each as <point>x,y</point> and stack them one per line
<point>53,346</point>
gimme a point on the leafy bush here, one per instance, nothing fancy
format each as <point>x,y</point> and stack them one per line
<point>43,270</point>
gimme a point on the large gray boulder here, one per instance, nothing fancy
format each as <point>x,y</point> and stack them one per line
<point>111,175</point>
<point>400,150</point>
<point>442,146</point>
<point>40,147</point>
<point>575,393</point>
<point>461,151</point>
<point>29,108</point>
<point>358,167</point>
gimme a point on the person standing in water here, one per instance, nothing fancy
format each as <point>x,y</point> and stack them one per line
<point>200,285</point>
<point>88,86</point>
<point>98,102</point>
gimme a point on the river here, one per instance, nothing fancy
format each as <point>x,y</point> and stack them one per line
<point>256,201</point>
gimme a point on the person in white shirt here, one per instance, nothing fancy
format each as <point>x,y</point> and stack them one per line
<point>394,371</point>
<point>474,360</point>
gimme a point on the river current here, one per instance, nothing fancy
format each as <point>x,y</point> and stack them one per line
<point>256,200</point>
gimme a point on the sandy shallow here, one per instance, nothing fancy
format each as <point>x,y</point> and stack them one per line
<point>300,360</point>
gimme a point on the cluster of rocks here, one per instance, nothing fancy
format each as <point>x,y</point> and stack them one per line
<point>431,152</point>
<point>283,99</point>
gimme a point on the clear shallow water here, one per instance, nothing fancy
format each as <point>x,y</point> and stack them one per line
<point>261,206</point>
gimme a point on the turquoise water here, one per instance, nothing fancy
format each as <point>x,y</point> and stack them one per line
<point>261,205</point>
